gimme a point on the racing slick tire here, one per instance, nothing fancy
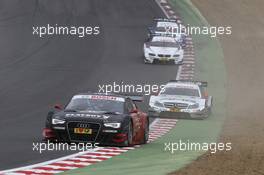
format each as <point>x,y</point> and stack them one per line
<point>146,61</point>
<point>48,119</point>
<point>130,134</point>
<point>146,132</point>
<point>209,109</point>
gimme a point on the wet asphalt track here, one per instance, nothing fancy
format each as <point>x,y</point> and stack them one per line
<point>36,73</point>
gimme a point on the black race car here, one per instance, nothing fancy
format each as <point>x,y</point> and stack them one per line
<point>98,118</point>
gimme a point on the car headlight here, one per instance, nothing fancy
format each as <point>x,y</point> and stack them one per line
<point>194,106</point>
<point>57,121</point>
<point>158,104</point>
<point>113,125</point>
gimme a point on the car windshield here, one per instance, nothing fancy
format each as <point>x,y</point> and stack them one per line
<point>96,103</point>
<point>180,91</point>
<point>167,24</point>
<point>168,39</point>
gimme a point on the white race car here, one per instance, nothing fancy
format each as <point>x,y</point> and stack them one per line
<point>169,27</point>
<point>181,99</point>
<point>163,49</point>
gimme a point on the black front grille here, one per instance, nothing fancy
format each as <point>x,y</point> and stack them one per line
<point>177,105</point>
<point>164,56</point>
<point>83,137</point>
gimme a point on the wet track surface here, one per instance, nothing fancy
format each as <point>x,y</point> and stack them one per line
<point>36,73</point>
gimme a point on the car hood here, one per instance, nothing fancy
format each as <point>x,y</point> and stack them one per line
<point>163,50</point>
<point>177,99</point>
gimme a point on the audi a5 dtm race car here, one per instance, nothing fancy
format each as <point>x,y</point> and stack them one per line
<point>164,26</point>
<point>181,99</point>
<point>163,49</point>
<point>98,118</point>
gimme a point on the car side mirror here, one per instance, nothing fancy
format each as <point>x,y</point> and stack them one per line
<point>58,106</point>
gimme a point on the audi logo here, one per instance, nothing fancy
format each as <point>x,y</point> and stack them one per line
<point>83,125</point>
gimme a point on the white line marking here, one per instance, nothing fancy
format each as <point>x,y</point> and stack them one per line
<point>84,159</point>
<point>43,171</point>
<point>157,1</point>
<point>96,156</point>
<point>58,167</point>
<point>73,163</point>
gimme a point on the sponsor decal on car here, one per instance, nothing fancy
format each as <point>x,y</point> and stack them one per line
<point>88,115</point>
<point>99,97</point>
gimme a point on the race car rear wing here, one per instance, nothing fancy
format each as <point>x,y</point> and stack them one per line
<point>199,83</point>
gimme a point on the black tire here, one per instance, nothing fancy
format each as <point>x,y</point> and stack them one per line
<point>146,132</point>
<point>210,108</point>
<point>145,62</point>
<point>49,119</point>
<point>130,134</point>
<point>207,114</point>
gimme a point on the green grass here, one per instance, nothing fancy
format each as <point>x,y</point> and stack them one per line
<point>151,159</point>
